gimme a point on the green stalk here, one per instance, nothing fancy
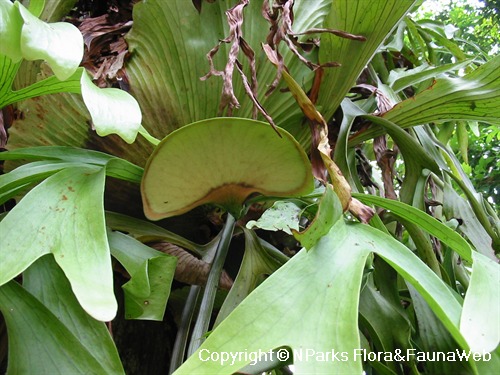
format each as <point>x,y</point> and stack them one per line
<point>378,66</point>
<point>154,141</point>
<point>424,247</point>
<point>183,331</point>
<point>207,302</point>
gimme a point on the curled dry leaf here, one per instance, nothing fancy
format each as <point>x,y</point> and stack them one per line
<point>385,160</point>
<point>191,270</point>
<point>385,156</point>
<point>384,103</point>
<point>280,16</point>
<point>363,212</point>
<point>228,98</point>
<point>257,105</point>
<point>320,150</point>
<point>105,48</point>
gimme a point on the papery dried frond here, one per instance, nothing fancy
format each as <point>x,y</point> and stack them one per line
<point>228,98</point>
<point>191,270</point>
<point>386,159</point>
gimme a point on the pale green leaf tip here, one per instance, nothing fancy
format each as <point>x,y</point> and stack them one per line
<point>10,31</point>
<point>97,298</point>
<point>103,313</point>
<point>113,111</point>
<point>59,44</point>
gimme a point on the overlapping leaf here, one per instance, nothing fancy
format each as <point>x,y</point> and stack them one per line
<point>479,322</point>
<point>400,79</point>
<point>172,39</point>
<point>151,272</point>
<point>10,31</point>
<point>435,337</point>
<point>475,96</point>
<point>389,328</point>
<point>49,332</point>
<point>30,173</point>
<point>424,221</point>
<point>329,211</point>
<point>374,20</point>
<point>53,158</point>
<point>472,97</point>
<point>457,207</point>
<point>259,261</point>
<point>60,43</point>
<point>311,303</point>
<point>64,215</point>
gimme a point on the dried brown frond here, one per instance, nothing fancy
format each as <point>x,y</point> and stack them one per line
<point>106,48</point>
<point>191,270</point>
<point>238,43</point>
<point>386,159</point>
<point>280,16</point>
